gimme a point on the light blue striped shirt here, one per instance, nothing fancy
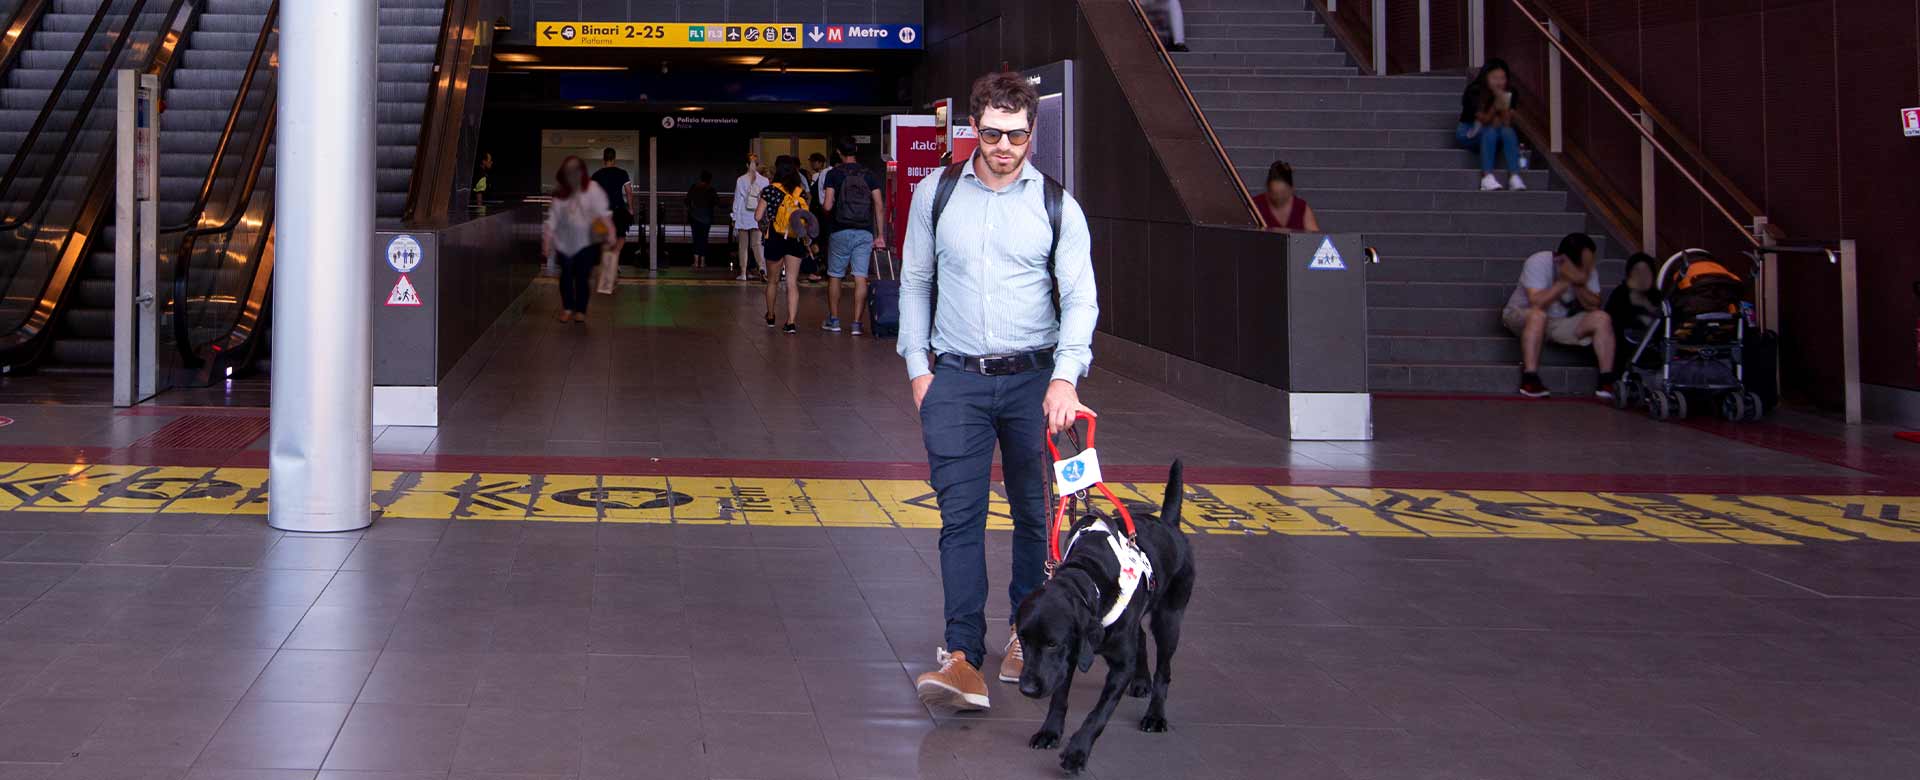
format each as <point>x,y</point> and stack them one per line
<point>994,294</point>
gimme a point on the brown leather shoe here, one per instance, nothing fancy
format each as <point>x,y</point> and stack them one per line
<point>955,686</point>
<point>1012,662</point>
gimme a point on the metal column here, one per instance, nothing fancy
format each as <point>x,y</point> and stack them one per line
<point>322,455</point>
<point>1649,237</point>
<point>653,203</point>
<point>1379,37</point>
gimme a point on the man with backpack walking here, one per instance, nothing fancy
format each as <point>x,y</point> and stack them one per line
<point>851,196</point>
<point>994,358</point>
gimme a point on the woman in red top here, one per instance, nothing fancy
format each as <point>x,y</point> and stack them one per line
<point>1281,211</point>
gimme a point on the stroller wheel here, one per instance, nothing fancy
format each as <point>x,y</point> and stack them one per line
<point>1733,406</point>
<point>1755,409</point>
<point>1678,400</point>
<point>1625,392</point>
<point>1659,405</point>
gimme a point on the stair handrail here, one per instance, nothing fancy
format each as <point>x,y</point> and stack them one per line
<point>1756,229</point>
<point>452,56</point>
<point>32,204</point>
<point>25,17</point>
<point>1193,105</point>
<point>160,62</point>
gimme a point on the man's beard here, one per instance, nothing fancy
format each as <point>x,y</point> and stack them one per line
<point>1004,168</point>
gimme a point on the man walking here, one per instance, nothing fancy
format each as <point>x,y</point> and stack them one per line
<point>992,362</point>
<point>851,195</point>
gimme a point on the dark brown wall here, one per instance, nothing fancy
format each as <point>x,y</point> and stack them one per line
<point>1209,293</point>
<point>1798,102</point>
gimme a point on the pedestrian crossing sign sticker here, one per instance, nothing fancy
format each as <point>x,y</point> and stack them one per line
<point>1326,258</point>
<point>403,293</point>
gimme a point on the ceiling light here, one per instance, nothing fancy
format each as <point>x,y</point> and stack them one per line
<point>693,108</point>
<point>746,59</point>
<point>818,110</point>
<point>583,107</point>
<point>514,56</point>
<point>571,67</point>
<point>811,70</point>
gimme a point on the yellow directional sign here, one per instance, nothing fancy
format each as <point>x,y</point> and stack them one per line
<point>669,35</point>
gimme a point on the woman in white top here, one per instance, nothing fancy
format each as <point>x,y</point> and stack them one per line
<point>746,198</point>
<point>578,225</point>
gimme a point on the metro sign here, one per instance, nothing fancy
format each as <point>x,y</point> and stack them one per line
<point>836,34</point>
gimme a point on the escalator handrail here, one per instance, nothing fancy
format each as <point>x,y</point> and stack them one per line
<point>32,204</point>
<point>160,62</point>
<point>183,257</point>
<point>194,213</point>
<point>25,18</point>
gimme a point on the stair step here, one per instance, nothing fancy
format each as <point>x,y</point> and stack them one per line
<point>1312,180</point>
<point>1412,267</point>
<point>1427,121</point>
<point>1342,138</point>
<point>1461,199</point>
<point>1502,350</point>
<point>1565,381</point>
<point>1338,157</point>
<point>1261,59</point>
<point>1254,15</point>
<point>1427,85</point>
<point>1442,104</point>
<point>1451,222</point>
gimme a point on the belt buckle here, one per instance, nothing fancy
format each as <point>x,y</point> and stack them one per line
<point>995,366</point>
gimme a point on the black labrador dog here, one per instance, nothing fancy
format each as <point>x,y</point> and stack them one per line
<point>1060,625</point>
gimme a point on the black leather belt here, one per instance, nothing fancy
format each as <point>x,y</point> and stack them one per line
<point>999,365</point>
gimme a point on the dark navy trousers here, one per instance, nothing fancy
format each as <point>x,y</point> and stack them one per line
<point>962,418</point>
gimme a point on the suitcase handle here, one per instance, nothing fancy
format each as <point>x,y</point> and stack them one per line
<point>883,258</point>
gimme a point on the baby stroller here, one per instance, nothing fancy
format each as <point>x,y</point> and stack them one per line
<point>1695,351</point>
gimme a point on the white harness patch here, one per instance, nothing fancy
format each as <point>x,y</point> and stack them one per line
<point>1134,567</point>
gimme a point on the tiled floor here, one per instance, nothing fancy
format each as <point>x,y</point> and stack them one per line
<point>162,647</point>
<point>222,649</point>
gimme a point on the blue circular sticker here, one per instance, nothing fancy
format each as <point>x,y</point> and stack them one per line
<point>1074,471</point>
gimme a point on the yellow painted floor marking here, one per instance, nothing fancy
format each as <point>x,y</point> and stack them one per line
<point>711,501</point>
<point>637,499</point>
<point>909,502</point>
<point>27,484</point>
<point>847,503</point>
<point>1255,510</point>
<point>1888,519</point>
<point>567,498</point>
<point>150,489</point>
<point>82,489</point>
<point>1337,511</point>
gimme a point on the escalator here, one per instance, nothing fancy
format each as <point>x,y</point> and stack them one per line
<point>216,182</point>
<point>57,114</point>
<point>221,300</point>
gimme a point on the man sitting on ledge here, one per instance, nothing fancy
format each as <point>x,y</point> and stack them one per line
<point>1542,308</point>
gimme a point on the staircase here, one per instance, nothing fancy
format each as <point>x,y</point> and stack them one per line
<point>1376,156</point>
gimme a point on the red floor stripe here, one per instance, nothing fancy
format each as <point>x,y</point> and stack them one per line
<point>1826,449</point>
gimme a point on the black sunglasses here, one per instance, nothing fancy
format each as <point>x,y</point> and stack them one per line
<point>991,136</point>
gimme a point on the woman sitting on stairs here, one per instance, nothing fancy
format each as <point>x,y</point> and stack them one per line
<point>1486,124</point>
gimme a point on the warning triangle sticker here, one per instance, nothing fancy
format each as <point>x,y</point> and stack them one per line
<point>1326,258</point>
<point>403,293</point>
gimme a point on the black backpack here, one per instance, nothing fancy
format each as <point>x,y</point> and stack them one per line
<point>853,202</point>
<point>1053,194</point>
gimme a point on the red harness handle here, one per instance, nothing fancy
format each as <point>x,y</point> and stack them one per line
<point>1060,509</point>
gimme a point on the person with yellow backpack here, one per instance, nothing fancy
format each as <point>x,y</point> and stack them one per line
<point>786,195</point>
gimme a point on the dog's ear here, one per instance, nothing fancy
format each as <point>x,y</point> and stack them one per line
<point>1091,634</point>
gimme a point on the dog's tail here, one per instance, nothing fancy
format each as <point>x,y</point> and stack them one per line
<point>1176,492</point>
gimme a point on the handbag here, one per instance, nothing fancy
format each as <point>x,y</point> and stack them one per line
<point>607,274</point>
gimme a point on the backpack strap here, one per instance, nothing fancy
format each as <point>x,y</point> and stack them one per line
<point>1055,196</point>
<point>943,193</point>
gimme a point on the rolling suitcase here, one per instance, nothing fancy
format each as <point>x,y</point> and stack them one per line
<point>883,296</point>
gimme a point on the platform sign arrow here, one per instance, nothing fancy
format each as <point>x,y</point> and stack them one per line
<point>815,35</point>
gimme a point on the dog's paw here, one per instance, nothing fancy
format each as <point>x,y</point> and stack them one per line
<point>1153,725</point>
<point>1044,740</point>
<point>1140,688</point>
<point>1073,760</point>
